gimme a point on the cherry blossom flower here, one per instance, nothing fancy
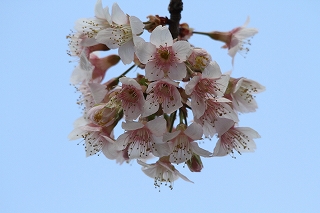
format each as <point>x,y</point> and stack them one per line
<point>236,138</point>
<point>89,27</point>
<point>216,109</point>
<point>122,33</point>
<point>207,85</point>
<point>183,144</point>
<point>199,59</point>
<point>235,40</point>
<point>165,93</point>
<point>163,57</point>
<point>131,97</point>
<point>162,171</point>
<point>93,135</point>
<point>103,115</point>
<point>143,138</point>
<point>82,72</point>
<point>240,93</point>
<point>185,32</point>
<point>238,37</point>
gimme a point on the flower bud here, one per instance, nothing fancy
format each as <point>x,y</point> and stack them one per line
<point>195,163</point>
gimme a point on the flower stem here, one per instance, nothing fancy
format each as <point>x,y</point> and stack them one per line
<point>201,33</point>
<point>172,119</point>
<point>125,72</point>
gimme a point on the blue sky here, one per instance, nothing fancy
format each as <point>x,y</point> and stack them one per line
<point>42,171</point>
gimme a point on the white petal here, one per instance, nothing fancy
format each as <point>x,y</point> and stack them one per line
<point>110,151</point>
<point>169,105</point>
<point>118,16</point>
<point>106,37</point>
<point>87,42</point>
<point>249,132</point>
<point>198,106</point>
<point>136,25</point>
<point>191,84</point>
<point>81,121</point>
<point>182,176</point>
<point>76,134</point>
<point>130,81</point>
<point>131,125</point>
<point>150,107</point>
<point>126,52</point>
<point>122,141</point>
<point>223,125</point>
<point>177,71</point>
<point>222,84</point>
<point>219,150</point>
<point>194,131</point>
<point>212,70</point>
<point>153,72</point>
<point>170,135</point>
<point>161,149</point>
<point>145,51</point>
<point>98,10</point>
<point>182,50</point>
<point>199,151</point>
<point>98,91</point>
<point>157,126</point>
<point>161,36</point>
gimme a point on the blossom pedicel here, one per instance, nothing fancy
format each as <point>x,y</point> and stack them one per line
<point>180,98</point>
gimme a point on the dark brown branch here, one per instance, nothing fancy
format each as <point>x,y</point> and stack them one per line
<point>175,8</point>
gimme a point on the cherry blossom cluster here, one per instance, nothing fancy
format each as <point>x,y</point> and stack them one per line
<point>181,97</point>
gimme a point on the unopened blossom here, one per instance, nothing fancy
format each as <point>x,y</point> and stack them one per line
<point>241,92</point>
<point>185,32</point>
<point>154,21</point>
<point>165,93</point>
<point>183,143</point>
<point>143,138</point>
<point>101,65</point>
<point>208,84</point>
<point>131,97</point>
<point>239,139</point>
<point>162,172</point>
<point>163,57</point>
<point>199,59</point>
<point>123,33</point>
<point>216,109</point>
<point>103,115</point>
<point>194,163</point>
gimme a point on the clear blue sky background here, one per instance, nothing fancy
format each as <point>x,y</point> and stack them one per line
<point>41,171</point>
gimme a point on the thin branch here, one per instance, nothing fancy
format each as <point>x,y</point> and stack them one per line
<point>175,8</point>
